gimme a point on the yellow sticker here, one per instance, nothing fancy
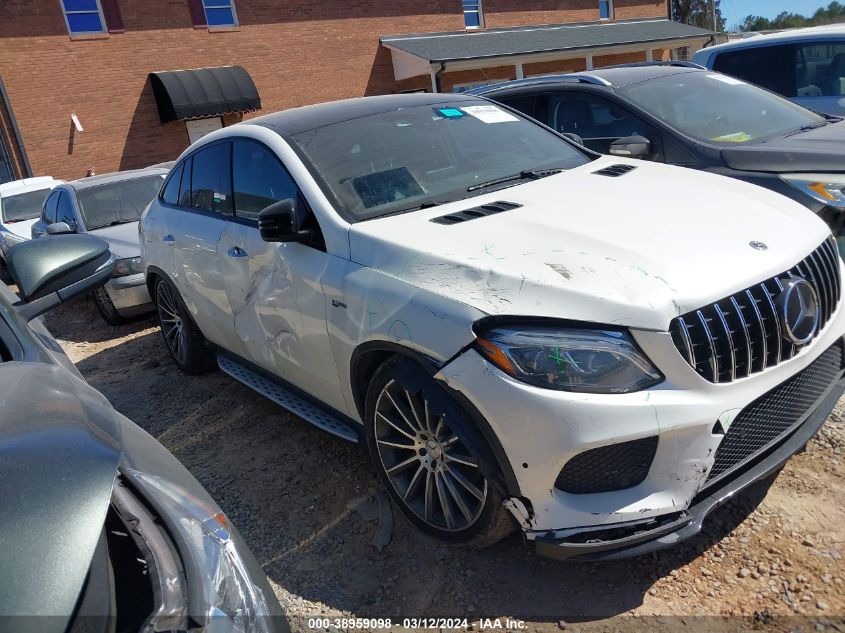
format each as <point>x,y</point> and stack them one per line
<point>736,137</point>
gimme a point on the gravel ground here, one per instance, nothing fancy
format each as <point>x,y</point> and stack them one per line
<point>770,560</point>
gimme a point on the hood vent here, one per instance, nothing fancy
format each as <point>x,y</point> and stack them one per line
<point>491,208</point>
<point>614,171</point>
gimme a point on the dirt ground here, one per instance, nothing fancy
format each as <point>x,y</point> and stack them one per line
<point>774,557</point>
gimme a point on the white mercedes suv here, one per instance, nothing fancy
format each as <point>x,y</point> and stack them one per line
<point>599,350</point>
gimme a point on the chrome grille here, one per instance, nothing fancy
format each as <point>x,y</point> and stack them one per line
<point>741,334</point>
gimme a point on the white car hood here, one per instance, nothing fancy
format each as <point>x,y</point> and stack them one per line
<point>21,228</point>
<point>122,239</point>
<point>635,250</point>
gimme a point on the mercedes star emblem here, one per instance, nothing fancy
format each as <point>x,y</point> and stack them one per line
<point>798,308</point>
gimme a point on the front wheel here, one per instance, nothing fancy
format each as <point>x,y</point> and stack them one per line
<point>106,307</point>
<point>427,468</point>
<point>182,337</point>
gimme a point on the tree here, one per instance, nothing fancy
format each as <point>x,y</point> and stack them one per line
<point>755,23</point>
<point>698,13</point>
<point>833,12</point>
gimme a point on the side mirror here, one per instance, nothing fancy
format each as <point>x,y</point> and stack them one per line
<point>279,223</point>
<point>631,146</point>
<point>59,228</point>
<point>573,137</point>
<point>51,271</point>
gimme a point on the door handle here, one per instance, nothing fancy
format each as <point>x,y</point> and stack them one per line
<point>235,251</point>
<point>168,239</point>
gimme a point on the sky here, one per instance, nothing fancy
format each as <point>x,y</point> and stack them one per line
<point>736,10</point>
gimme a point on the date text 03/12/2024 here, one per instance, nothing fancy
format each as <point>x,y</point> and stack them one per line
<point>369,624</point>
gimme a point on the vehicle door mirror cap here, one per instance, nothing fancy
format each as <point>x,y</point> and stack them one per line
<point>280,223</point>
<point>59,228</point>
<point>51,271</point>
<point>573,137</point>
<point>631,147</point>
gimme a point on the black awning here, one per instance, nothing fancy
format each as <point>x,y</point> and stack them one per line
<point>204,92</point>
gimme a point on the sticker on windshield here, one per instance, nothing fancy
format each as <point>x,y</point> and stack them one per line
<point>727,80</point>
<point>449,113</point>
<point>736,137</point>
<point>489,114</point>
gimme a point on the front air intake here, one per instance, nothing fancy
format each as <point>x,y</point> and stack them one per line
<point>608,468</point>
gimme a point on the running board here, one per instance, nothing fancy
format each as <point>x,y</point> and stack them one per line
<point>288,399</point>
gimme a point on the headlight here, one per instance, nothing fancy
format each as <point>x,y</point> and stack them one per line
<point>128,266</point>
<point>570,359</point>
<point>826,188</point>
<point>233,602</point>
<point>10,238</point>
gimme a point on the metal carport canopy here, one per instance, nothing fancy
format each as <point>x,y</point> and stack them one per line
<point>414,55</point>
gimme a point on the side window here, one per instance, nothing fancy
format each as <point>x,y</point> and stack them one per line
<point>185,185</point>
<point>48,215</point>
<point>64,210</point>
<point>534,105</point>
<point>170,191</point>
<point>211,179</point>
<point>820,71</point>
<point>597,121</point>
<point>523,103</point>
<point>772,67</point>
<point>259,179</point>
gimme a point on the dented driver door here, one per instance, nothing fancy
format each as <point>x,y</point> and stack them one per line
<point>274,289</point>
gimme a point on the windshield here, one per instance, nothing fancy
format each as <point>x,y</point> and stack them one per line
<point>117,202</point>
<point>23,206</point>
<point>718,108</point>
<point>418,156</point>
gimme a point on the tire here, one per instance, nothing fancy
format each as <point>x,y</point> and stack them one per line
<point>427,469</point>
<point>182,337</point>
<point>5,275</point>
<point>106,307</point>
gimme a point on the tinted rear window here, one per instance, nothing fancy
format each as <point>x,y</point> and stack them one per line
<point>117,202</point>
<point>23,206</point>
<point>772,67</point>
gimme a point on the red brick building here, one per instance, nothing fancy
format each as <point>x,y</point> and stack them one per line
<point>93,59</point>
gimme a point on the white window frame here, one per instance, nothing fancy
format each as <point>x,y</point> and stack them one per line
<point>610,11</point>
<point>219,26</point>
<point>478,11</point>
<point>65,13</point>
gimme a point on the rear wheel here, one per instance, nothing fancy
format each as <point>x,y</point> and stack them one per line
<point>182,337</point>
<point>427,467</point>
<point>106,307</point>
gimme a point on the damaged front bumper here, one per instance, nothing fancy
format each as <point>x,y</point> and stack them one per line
<point>540,431</point>
<point>130,294</point>
<point>635,539</point>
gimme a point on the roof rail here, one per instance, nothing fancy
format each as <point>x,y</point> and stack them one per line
<point>579,77</point>
<point>673,62</point>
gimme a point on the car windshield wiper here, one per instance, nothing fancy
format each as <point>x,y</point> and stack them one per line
<point>416,207</point>
<point>808,127</point>
<point>525,174</point>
